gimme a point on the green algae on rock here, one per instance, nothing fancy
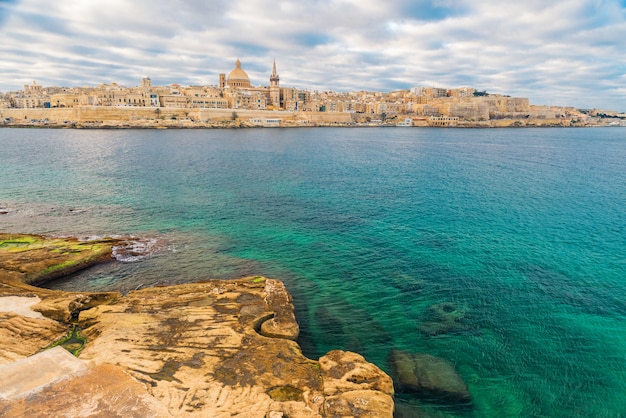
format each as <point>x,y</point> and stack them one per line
<point>42,316</point>
<point>73,342</point>
<point>34,259</point>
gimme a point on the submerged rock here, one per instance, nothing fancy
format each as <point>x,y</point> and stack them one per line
<point>343,320</point>
<point>428,377</point>
<point>406,283</point>
<point>443,318</point>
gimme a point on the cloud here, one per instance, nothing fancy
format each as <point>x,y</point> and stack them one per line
<point>567,52</point>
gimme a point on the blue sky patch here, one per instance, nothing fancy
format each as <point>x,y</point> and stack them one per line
<point>242,49</point>
<point>312,39</point>
<point>428,11</point>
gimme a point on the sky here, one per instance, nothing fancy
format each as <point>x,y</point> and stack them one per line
<point>554,52</point>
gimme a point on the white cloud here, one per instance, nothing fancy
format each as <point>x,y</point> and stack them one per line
<point>566,52</point>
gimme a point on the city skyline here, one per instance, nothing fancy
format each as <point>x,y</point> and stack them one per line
<point>568,53</point>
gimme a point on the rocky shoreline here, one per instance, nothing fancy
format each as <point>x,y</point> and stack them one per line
<point>216,348</point>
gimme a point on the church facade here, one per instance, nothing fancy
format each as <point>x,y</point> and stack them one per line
<point>240,93</point>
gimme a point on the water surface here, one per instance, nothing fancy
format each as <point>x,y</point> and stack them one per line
<point>521,230</point>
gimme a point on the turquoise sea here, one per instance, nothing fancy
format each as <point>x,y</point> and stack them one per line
<point>520,232</point>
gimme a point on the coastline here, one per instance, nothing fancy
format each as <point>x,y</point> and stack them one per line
<point>212,348</point>
<point>101,117</point>
<point>235,126</point>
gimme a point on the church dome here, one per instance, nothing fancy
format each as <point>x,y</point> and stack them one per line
<point>238,77</point>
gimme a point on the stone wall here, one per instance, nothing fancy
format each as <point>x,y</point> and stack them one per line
<point>94,114</point>
<point>469,111</point>
<point>506,104</point>
<point>120,115</point>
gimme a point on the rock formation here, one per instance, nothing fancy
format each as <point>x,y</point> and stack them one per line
<point>216,348</point>
<point>428,376</point>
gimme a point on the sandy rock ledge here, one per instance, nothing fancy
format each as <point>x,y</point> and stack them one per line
<point>211,349</point>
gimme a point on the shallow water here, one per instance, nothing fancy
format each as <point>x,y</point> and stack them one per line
<point>522,230</point>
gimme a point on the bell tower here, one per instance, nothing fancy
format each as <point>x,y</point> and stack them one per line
<point>274,88</point>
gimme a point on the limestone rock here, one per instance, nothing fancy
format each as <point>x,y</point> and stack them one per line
<point>345,371</point>
<point>22,336</point>
<point>428,377</point>
<point>34,372</point>
<point>220,348</point>
<point>181,340</point>
<point>359,404</point>
<point>196,351</point>
<point>101,391</point>
<point>353,387</point>
<point>20,305</point>
<point>66,306</point>
<point>32,259</point>
<point>283,323</point>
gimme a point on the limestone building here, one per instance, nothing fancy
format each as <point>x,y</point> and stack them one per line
<point>240,93</point>
<point>433,106</point>
<point>274,88</point>
<point>238,78</point>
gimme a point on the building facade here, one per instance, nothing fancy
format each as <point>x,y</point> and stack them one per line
<point>435,105</point>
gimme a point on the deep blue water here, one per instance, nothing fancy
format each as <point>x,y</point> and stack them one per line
<point>522,230</point>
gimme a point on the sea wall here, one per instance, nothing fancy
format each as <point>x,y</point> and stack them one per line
<point>155,116</point>
<point>503,112</point>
